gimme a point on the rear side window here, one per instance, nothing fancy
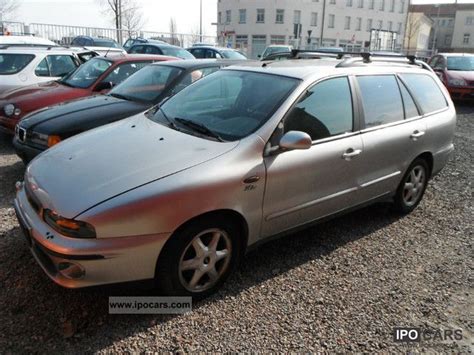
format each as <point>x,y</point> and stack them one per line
<point>14,63</point>
<point>324,111</point>
<point>426,92</point>
<point>381,99</point>
<point>408,103</point>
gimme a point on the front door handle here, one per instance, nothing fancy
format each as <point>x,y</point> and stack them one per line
<point>417,134</point>
<point>351,153</point>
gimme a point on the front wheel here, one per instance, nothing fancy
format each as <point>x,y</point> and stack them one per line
<point>412,187</point>
<point>199,258</point>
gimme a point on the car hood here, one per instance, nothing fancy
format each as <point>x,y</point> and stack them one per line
<point>457,74</point>
<point>37,92</point>
<point>80,115</point>
<point>98,165</point>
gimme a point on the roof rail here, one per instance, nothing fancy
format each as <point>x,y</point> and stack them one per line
<point>367,58</point>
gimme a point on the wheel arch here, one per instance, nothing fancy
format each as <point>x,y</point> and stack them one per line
<point>428,157</point>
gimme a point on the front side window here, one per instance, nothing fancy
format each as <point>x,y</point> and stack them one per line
<point>176,52</point>
<point>230,103</point>
<point>60,65</point>
<point>324,111</point>
<point>14,63</point>
<point>137,49</point>
<point>147,84</point>
<point>87,73</point>
<point>426,92</point>
<point>381,99</point>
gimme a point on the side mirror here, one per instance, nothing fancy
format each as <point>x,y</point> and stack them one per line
<point>104,85</point>
<point>293,140</point>
<point>259,56</point>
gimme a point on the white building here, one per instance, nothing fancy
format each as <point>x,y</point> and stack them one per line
<point>251,25</point>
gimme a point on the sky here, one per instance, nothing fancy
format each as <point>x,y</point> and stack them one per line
<point>157,13</point>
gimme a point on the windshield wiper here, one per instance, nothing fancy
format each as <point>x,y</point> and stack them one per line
<point>171,123</point>
<point>199,127</point>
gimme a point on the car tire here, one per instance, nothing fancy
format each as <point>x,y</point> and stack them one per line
<point>198,258</point>
<point>412,187</point>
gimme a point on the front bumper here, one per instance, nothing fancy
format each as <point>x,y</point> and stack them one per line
<point>76,263</point>
<point>25,151</point>
<point>461,93</point>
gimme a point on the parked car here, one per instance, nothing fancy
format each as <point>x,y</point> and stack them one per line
<point>274,49</point>
<point>163,49</point>
<point>240,156</point>
<point>216,52</point>
<point>456,71</point>
<point>22,66</point>
<point>96,76</point>
<point>142,90</point>
<point>102,45</point>
<point>139,40</point>
<point>23,41</point>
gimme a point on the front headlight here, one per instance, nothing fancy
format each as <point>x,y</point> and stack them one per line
<point>44,139</point>
<point>9,110</point>
<point>457,82</point>
<point>68,227</point>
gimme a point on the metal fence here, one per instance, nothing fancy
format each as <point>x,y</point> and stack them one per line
<point>64,34</point>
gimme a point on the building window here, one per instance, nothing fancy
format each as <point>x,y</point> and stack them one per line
<point>331,20</point>
<point>277,39</point>
<point>382,5</point>
<point>241,42</point>
<point>380,25</point>
<point>228,16</point>
<point>348,2</point>
<point>450,23</point>
<point>360,4</point>
<point>400,27</point>
<point>371,4</point>
<point>447,40</point>
<point>466,38</point>
<point>260,15</point>
<point>280,16</point>
<point>347,23</point>
<point>332,1</point>
<point>469,21</point>
<point>369,24</point>
<point>314,19</point>
<point>219,18</point>
<point>358,23</point>
<point>390,25</point>
<point>242,16</point>
<point>402,6</point>
<point>297,17</point>
<point>392,6</point>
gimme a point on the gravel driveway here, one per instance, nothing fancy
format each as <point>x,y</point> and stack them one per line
<point>341,286</point>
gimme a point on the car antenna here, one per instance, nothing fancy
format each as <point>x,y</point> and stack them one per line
<point>107,52</point>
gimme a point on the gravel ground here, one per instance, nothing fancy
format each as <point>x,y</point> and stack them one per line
<point>339,287</point>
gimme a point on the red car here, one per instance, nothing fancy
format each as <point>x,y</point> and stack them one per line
<point>456,71</point>
<point>96,76</point>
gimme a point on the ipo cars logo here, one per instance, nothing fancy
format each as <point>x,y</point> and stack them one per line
<point>411,334</point>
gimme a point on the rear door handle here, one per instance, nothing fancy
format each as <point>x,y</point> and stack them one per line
<point>417,134</point>
<point>351,153</point>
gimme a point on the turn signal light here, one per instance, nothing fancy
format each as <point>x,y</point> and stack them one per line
<point>53,140</point>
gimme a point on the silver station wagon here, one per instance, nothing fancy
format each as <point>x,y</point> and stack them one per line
<point>179,193</point>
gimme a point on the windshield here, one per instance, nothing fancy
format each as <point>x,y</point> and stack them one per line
<point>272,50</point>
<point>146,84</point>
<point>229,103</point>
<point>461,63</point>
<point>229,54</point>
<point>14,63</point>
<point>87,73</point>
<point>176,52</point>
<point>105,43</point>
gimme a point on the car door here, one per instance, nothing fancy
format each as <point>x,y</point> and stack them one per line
<point>392,133</point>
<point>305,185</point>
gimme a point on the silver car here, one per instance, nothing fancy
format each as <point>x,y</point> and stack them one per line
<point>178,194</point>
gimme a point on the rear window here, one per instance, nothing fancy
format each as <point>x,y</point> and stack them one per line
<point>176,52</point>
<point>14,63</point>
<point>381,99</point>
<point>426,92</point>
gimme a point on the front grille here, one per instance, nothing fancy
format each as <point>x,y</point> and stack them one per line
<point>21,134</point>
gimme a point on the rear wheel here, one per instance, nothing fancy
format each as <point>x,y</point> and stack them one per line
<point>198,258</point>
<point>412,187</point>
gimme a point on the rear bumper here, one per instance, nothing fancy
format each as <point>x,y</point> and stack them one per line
<point>24,151</point>
<point>461,93</point>
<point>76,263</point>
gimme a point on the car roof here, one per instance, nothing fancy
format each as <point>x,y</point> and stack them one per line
<point>212,47</point>
<point>26,40</point>
<point>313,68</point>
<point>156,44</point>
<point>198,63</point>
<point>122,58</point>
<point>40,50</point>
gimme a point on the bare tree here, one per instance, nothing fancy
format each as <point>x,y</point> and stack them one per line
<point>195,35</point>
<point>173,31</point>
<point>8,8</point>
<point>412,28</point>
<point>132,17</point>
